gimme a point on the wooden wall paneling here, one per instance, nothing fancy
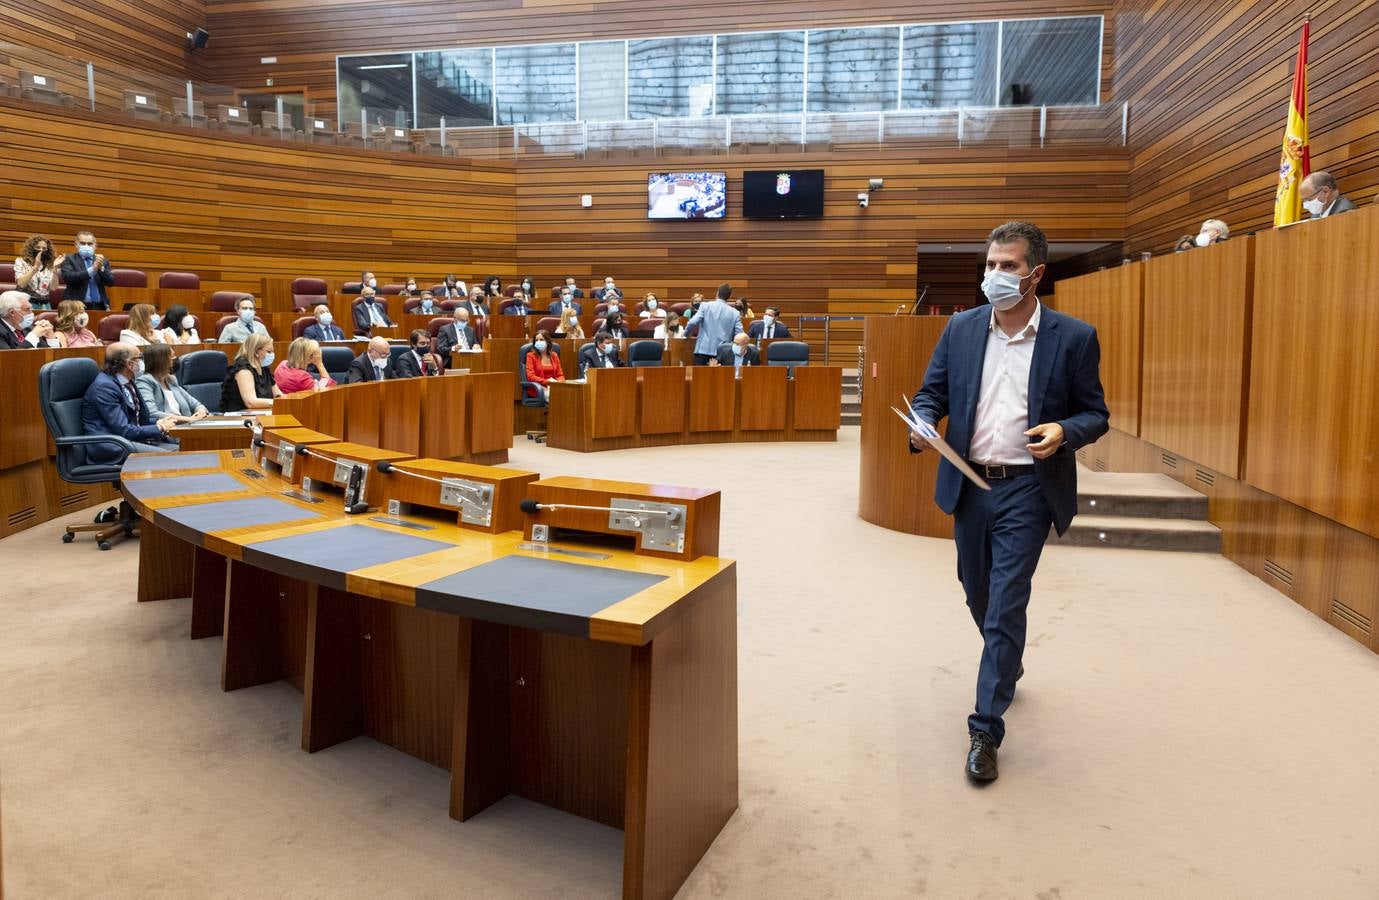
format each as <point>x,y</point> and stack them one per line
<point>1112,301</point>
<point>614,402</point>
<point>1313,423</point>
<point>400,414</point>
<point>761,398</point>
<point>149,35</point>
<point>712,399</point>
<point>662,400</point>
<point>1196,352</point>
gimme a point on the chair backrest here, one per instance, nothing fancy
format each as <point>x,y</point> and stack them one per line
<point>646,326</point>
<point>548,323</point>
<point>644,353</point>
<point>307,292</point>
<point>391,289</point>
<point>352,287</point>
<point>435,325</point>
<point>787,353</point>
<point>396,351</point>
<point>510,290</point>
<point>337,359</point>
<point>48,315</point>
<point>598,325</point>
<point>7,273</point>
<point>202,372</point>
<point>130,278</point>
<point>62,384</point>
<point>680,308</point>
<point>555,291</point>
<point>502,306</point>
<point>301,324</point>
<point>225,301</point>
<point>187,280</point>
<point>224,321</point>
<point>110,327</point>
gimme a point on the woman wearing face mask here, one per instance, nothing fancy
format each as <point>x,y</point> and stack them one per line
<point>1214,231</point>
<point>569,326</point>
<point>671,328</point>
<point>161,393</point>
<point>493,287</point>
<point>543,366</point>
<point>249,383</point>
<point>615,326</point>
<point>409,288</point>
<point>142,329</point>
<point>35,268</point>
<point>180,326</point>
<point>71,330</point>
<point>651,308</point>
<point>528,287</point>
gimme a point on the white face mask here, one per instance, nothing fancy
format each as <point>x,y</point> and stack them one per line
<point>1314,206</point>
<point>139,367</point>
<point>246,316</point>
<point>326,318</point>
<point>651,304</point>
<point>82,319</point>
<point>1002,289</point>
<point>1202,239</point>
<point>373,282</point>
<point>27,321</point>
<point>188,323</point>
<point>768,319</point>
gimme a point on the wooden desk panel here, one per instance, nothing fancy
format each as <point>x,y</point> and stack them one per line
<point>25,434</point>
<point>762,398</point>
<point>712,398</point>
<point>490,413</point>
<point>443,417</point>
<point>363,413</point>
<point>1112,301</point>
<point>613,399</point>
<point>400,414</point>
<point>817,404</point>
<point>330,410</point>
<point>662,405</point>
<point>567,414</point>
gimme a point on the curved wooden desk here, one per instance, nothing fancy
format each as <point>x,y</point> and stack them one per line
<point>896,487</point>
<point>461,644</point>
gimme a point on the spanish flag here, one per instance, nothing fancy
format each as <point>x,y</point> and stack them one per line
<point>1297,161</point>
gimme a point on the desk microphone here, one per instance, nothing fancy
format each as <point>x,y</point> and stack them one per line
<point>354,501</point>
<point>530,506</point>
<point>386,467</point>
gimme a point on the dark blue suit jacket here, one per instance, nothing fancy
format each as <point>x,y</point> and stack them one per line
<point>1064,387</point>
<point>362,323</point>
<point>108,409</point>
<point>321,333</point>
<point>73,272</point>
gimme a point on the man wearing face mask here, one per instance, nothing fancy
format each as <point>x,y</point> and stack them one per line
<point>601,354</point>
<point>566,301</point>
<point>374,364</point>
<point>769,327</point>
<point>457,335</point>
<point>1321,197</point>
<point>18,330</point>
<point>87,274</point>
<point>518,306</point>
<point>609,291</point>
<point>738,354</point>
<point>112,406</point>
<point>427,305</point>
<point>1020,386</point>
<point>369,311</point>
<point>1214,231</point>
<point>243,326</point>
<point>366,280</point>
<point>324,328</point>
<point>420,360</point>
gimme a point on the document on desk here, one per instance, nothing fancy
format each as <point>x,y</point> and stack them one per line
<point>930,433</point>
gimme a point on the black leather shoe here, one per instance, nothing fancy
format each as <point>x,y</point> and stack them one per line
<point>981,759</point>
<point>1020,674</point>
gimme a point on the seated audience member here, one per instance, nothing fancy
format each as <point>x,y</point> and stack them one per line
<point>614,325</point>
<point>543,366</point>
<point>569,325</point>
<point>519,305</point>
<point>477,304</point>
<point>565,301</point>
<point>162,396</point>
<point>179,326</point>
<point>427,305</point>
<point>1186,242</point>
<point>528,287</point>
<point>366,279</point>
<point>18,330</point>
<point>573,286</point>
<point>613,306</point>
<point>112,406</point>
<point>409,288</point>
<point>456,335</point>
<point>769,327</point>
<point>35,269</point>
<point>370,311</point>
<point>1214,231</point>
<point>292,374</point>
<point>696,301</point>
<point>1320,197</point>
<point>602,354</point>
<point>672,327</point>
<point>249,384</point>
<point>420,360</point>
<point>493,289</point>
<point>609,291</point>
<point>71,330</point>
<point>142,328</point>
<point>245,325</point>
<point>738,353</point>
<point>453,289</point>
<point>324,328</point>
<point>374,364</point>
<point>86,273</point>
<point>651,308</point>
<point>744,309</point>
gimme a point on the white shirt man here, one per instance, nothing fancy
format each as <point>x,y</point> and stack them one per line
<point>998,434</point>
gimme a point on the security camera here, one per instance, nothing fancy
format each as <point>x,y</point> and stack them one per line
<point>875,183</point>
<point>863,200</point>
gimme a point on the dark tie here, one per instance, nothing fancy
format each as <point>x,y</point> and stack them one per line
<point>134,399</point>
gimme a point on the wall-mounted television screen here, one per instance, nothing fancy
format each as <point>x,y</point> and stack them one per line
<point>783,194</point>
<point>686,195</point>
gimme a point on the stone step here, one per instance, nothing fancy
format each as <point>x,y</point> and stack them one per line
<point>1137,494</point>
<point>1142,533</point>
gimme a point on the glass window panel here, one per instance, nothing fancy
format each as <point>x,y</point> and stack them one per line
<point>947,66</point>
<point>456,85</point>
<point>536,84</point>
<point>603,81</point>
<point>760,73</point>
<point>853,69</point>
<point>1050,62</point>
<point>670,78</point>
<point>380,85</point>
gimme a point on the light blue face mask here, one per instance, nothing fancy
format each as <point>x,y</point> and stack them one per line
<point>155,320</point>
<point>426,304</point>
<point>26,322</point>
<point>540,346</point>
<point>738,349</point>
<point>268,359</point>
<point>246,316</point>
<point>86,251</point>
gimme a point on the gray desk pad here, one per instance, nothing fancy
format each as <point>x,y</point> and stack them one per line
<point>326,556</point>
<point>219,482</point>
<point>236,513</point>
<point>531,592</point>
<point>172,461</point>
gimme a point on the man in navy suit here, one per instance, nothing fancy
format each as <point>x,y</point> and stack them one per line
<point>324,328</point>
<point>1020,386</point>
<point>566,301</point>
<point>369,310</point>
<point>87,273</point>
<point>769,326</point>
<point>374,364</point>
<point>601,354</point>
<point>112,406</point>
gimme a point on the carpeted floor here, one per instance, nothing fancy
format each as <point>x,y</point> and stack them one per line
<point>1183,731</point>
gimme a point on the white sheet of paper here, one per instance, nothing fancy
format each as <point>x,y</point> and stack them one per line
<point>929,433</point>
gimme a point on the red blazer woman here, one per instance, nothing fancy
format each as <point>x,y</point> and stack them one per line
<point>539,371</point>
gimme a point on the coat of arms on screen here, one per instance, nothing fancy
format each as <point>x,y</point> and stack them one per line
<point>783,183</point>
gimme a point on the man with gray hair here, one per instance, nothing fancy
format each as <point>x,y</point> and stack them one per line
<point>374,364</point>
<point>112,406</point>
<point>18,331</point>
<point>1321,197</point>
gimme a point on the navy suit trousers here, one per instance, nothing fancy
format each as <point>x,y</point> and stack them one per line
<point>1000,534</point>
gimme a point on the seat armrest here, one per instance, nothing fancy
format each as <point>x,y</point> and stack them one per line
<point>83,440</point>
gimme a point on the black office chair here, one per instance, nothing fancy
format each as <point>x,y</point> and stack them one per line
<point>337,360</point>
<point>644,353</point>
<point>539,401</point>
<point>787,353</point>
<point>202,373</point>
<point>62,384</point>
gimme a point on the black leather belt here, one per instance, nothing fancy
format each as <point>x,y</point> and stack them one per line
<point>998,472</point>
